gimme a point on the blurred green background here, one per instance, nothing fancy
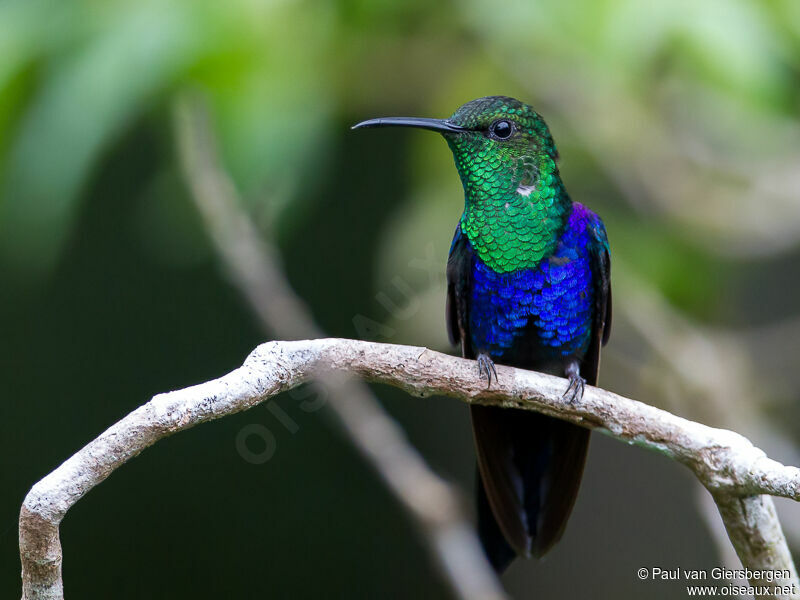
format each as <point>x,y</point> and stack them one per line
<point>677,121</point>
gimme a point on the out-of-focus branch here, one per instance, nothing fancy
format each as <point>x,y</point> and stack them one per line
<point>714,371</point>
<point>716,527</point>
<point>253,266</point>
<point>735,472</point>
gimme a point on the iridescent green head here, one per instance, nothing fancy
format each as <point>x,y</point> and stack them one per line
<point>514,199</point>
<point>496,141</point>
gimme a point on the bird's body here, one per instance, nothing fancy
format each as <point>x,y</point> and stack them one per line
<point>540,312</point>
<point>528,286</point>
<point>542,318</point>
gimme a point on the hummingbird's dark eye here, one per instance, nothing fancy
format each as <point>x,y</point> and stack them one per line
<point>502,129</point>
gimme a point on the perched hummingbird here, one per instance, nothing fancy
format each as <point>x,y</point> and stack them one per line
<point>527,286</point>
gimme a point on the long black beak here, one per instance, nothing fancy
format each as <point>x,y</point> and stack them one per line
<point>440,125</point>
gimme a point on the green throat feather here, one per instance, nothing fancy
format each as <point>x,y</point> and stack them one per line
<point>515,202</point>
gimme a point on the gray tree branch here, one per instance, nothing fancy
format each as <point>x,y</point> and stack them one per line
<point>739,476</point>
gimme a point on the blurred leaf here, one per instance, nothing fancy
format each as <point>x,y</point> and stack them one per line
<point>86,98</point>
<point>270,93</point>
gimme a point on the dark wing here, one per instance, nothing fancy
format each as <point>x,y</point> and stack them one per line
<point>601,329</point>
<point>459,279</point>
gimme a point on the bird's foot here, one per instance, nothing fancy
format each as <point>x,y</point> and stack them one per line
<point>486,368</point>
<point>574,391</point>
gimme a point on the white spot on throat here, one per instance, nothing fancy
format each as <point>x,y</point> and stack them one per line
<point>525,190</point>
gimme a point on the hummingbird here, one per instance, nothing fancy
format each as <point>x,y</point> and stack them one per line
<point>528,286</point>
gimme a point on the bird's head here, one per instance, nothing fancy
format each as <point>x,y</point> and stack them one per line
<point>500,144</point>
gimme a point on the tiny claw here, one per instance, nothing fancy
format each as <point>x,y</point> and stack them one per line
<point>574,391</point>
<point>486,367</point>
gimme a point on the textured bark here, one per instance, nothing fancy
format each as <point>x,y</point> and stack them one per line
<point>728,465</point>
<point>755,532</point>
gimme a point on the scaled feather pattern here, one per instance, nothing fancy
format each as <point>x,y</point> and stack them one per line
<point>557,296</point>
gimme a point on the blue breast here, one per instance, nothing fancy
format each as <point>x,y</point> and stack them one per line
<point>553,302</point>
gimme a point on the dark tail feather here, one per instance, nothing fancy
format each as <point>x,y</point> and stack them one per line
<point>497,550</point>
<point>530,469</point>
